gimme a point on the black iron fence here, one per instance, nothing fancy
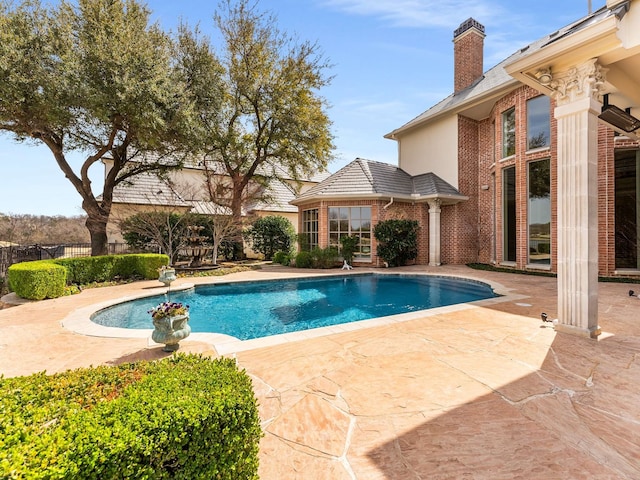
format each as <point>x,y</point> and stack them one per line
<point>26,253</point>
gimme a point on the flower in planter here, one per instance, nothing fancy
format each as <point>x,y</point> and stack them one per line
<point>168,309</point>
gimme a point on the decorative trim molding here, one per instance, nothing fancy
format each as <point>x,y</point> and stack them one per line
<point>434,205</point>
<point>582,81</point>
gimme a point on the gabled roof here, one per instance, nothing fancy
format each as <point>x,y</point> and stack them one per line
<point>477,100</point>
<point>370,179</point>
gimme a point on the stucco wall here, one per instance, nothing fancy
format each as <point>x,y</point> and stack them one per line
<point>432,149</point>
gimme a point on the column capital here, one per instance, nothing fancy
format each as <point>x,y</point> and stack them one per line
<point>435,205</point>
<point>434,231</point>
<point>579,82</point>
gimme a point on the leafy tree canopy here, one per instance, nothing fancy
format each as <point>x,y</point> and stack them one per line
<point>259,112</point>
<point>92,76</point>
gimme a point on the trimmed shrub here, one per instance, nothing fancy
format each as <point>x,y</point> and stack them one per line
<point>304,260</point>
<point>31,284</point>
<point>270,234</point>
<point>397,241</point>
<point>325,257</point>
<point>85,270</point>
<point>283,258</point>
<point>37,280</point>
<point>186,417</point>
<point>145,265</point>
<point>318,258</point>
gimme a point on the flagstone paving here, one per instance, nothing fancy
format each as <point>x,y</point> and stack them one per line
<point>487,392</point>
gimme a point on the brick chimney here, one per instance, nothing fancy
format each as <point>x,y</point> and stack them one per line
<point>468,48</point>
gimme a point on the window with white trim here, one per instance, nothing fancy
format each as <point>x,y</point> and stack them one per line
<point>310,227</point>
<point>346,221</point>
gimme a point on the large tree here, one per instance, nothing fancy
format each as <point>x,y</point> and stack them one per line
<point>95,77</point>
<point>260,115</point>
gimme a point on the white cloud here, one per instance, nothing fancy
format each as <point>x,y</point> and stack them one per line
<point>421,13</point>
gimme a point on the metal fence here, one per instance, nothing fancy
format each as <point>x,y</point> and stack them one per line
<point>26,253</point>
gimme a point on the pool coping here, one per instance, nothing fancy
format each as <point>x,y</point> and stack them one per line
<point>79,321</point>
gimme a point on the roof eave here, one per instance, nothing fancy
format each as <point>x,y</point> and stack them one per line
<point>459,108</point>
<point>447,199</point>
<point>342,196</point>
<point>561,54</point>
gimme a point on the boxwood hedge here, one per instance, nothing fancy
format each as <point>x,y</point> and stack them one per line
<point>37,280</point>
<point>47,278</point>
<point>185,417</point>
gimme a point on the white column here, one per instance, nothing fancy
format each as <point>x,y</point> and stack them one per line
<point>576,93</point>
<point>434,231</point>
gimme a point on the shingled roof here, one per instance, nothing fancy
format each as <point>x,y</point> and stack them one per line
<point>495,81</point>
<point>148,189</point>
<point>370,179</point>
<point>279,196</point>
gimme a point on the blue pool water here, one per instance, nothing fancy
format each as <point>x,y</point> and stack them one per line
<point>258,309</point>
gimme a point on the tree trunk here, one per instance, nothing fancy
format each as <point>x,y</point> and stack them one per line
<point>97,227</point>
<point>236,212</point>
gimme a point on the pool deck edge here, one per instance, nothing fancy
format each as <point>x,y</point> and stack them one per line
<point>79,321</point>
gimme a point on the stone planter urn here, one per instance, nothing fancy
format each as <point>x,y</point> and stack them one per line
<point>171,322</point>
<point>167,275</point>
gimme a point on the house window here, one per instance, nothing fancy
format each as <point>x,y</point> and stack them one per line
<point>351,221</point>
<point>310,228</point>
<point>493,141</point>
<point>509,214</point>
<point>539,212</point>
<point>509,133</point>
<point>538,122</point>
<point>627,209</point>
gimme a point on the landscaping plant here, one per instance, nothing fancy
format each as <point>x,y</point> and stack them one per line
<point>271,234</point>
<point>397,241</point>
<point>185,417</point>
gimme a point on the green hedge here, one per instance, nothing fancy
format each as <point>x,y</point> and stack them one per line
<point>283,258</point>
<point>85,270</point>
<point>38,280</point>
<point>318,258</point>
<point>304,260</point>
<point>186,417</point>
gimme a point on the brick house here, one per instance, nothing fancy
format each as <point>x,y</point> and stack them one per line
<point>535,171</point>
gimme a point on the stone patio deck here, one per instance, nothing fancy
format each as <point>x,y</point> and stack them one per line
<point>487,392</point>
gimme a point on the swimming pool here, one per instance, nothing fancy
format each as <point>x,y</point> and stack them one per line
<point>247,310</point>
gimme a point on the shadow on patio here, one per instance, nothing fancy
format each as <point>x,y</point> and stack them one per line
<point>487,392</point>
<point>576,416</point>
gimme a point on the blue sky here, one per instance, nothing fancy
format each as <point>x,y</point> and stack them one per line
<point>392,59</point>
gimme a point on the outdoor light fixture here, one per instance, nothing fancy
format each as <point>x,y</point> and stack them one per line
<point>617,117</point>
